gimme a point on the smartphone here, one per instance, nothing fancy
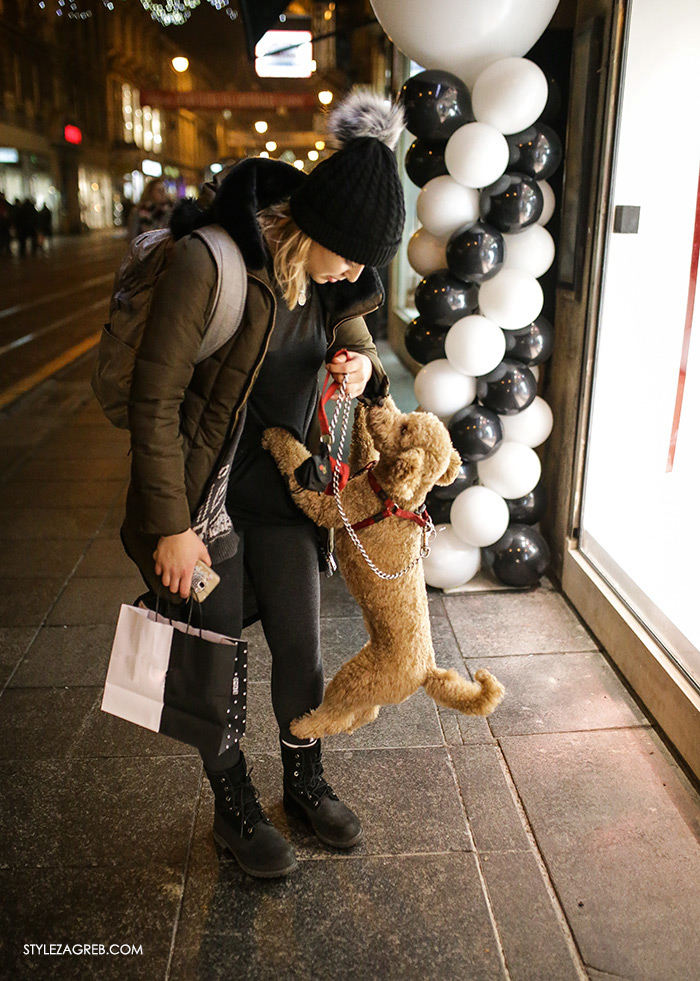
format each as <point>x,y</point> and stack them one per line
<point>204,580</point>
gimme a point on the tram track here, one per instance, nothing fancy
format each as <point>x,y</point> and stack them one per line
<point>52,308</point>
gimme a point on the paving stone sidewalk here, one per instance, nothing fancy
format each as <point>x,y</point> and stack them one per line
<point>556,841</point>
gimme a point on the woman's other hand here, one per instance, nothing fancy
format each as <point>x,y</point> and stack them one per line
<point>356,366</point>
<point>175,558</point>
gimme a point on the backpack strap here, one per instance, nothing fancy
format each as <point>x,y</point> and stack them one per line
<point>231,289</point>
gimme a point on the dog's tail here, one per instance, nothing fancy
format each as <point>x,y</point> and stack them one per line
<point>450,689</point>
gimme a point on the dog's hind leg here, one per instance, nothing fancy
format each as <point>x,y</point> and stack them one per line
<point>350,701</point>
<point>450,689</point>
<point>363,718</point>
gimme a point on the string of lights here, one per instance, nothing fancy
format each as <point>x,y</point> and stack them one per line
<point>169,13</point>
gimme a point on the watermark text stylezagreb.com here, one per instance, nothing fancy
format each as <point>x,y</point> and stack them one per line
<point>80,950</point>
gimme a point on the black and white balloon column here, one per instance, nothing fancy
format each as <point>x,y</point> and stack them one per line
<point>482,159</point>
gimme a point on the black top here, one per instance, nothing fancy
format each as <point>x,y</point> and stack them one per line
<point>285,394</point>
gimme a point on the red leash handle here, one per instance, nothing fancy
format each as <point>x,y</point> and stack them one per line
<point>330,388</point>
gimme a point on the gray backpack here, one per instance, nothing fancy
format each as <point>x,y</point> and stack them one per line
<point>145,260</point>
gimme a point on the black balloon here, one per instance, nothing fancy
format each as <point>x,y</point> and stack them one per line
<point>536,151</point>
<point>520,557</point>
<point>475,253</point>
<point>436,103</point>
<point>528,510</point>
<point>439,509</point>
<point>508,389</point>
<point>467,476</point>
<point>532,344</point>
<point>476,433</point>
<point>425,161</point>
<point>444,299</point>
<point>425,341</point>
<point>512,203</point>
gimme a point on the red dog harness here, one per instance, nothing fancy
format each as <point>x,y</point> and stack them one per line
<point>421,516</point>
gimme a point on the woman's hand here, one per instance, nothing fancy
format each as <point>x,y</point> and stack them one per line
<point>175,559</point>
<point>356,366</point>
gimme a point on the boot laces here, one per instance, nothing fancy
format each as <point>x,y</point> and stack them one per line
<point>247,801</point>
<point>313,782</point>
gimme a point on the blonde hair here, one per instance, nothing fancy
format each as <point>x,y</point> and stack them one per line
<point>290,250</point>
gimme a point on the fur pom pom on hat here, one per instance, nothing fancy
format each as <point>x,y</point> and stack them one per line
<point>364,114</point>
<point>352,202</point>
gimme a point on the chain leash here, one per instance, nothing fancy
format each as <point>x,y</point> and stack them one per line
<point>344,401</point>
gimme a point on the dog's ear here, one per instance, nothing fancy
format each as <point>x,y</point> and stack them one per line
<point>362,448</point>
<point>407,472</point>
<point>450,475</point>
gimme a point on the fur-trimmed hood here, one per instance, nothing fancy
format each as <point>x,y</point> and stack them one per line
<point>249,187</point>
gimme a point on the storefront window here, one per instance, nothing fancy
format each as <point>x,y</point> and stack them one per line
<point>141,125</point>
<point>638,522</point>
<point>127,114</point>
<point>96,194</point>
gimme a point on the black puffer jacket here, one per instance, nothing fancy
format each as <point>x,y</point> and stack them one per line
<point>181,414</point>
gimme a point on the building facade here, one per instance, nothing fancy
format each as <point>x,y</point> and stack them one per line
<point>73,132</point>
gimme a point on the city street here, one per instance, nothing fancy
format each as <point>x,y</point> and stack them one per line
<point>52,306</point>
<point>555,841</point>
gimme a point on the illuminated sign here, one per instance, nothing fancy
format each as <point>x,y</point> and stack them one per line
<point>72,134</point>
<point>284,54</point>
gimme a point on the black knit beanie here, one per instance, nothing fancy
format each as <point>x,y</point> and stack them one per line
<point>352,202</point>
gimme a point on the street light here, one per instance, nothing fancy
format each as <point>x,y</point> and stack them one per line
<point>271,146</point>
<point>312,154</point>
<point>180,63</point>
<point>261,126</point>
<point>325,97</point>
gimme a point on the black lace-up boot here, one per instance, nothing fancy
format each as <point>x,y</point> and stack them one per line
<point>309,797</point>
<point>242,827</point>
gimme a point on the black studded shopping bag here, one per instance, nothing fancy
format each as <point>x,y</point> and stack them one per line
<point>176,679</point>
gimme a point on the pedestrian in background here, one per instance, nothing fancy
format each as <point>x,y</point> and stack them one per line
<point>45,224</point>
<point>153,211</point>
<point>5,219</point>
<point>309,243</point>
<point>26,226</point>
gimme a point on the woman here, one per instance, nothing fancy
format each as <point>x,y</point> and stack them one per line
<point>309,245</point>
<point>153,210</point>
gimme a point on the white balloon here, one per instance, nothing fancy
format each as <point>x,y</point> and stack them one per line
<point>479,516</point>
<point>476,154</point>
<point>475,345</point>
<point>512,299</point>
<point>531,250</point>
<point>451,562</point>
<point>510,94</point>
<point>532,426</point>
<point>444,206</point>
<point>550,202</point>
<point>426,253</point>
<point>513,470</point>
<point>463,36</point>
<point>442,390</point>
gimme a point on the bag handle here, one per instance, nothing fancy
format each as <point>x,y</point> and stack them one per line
<point>191,602</point>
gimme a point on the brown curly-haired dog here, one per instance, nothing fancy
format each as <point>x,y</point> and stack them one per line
<point>410,453</point>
